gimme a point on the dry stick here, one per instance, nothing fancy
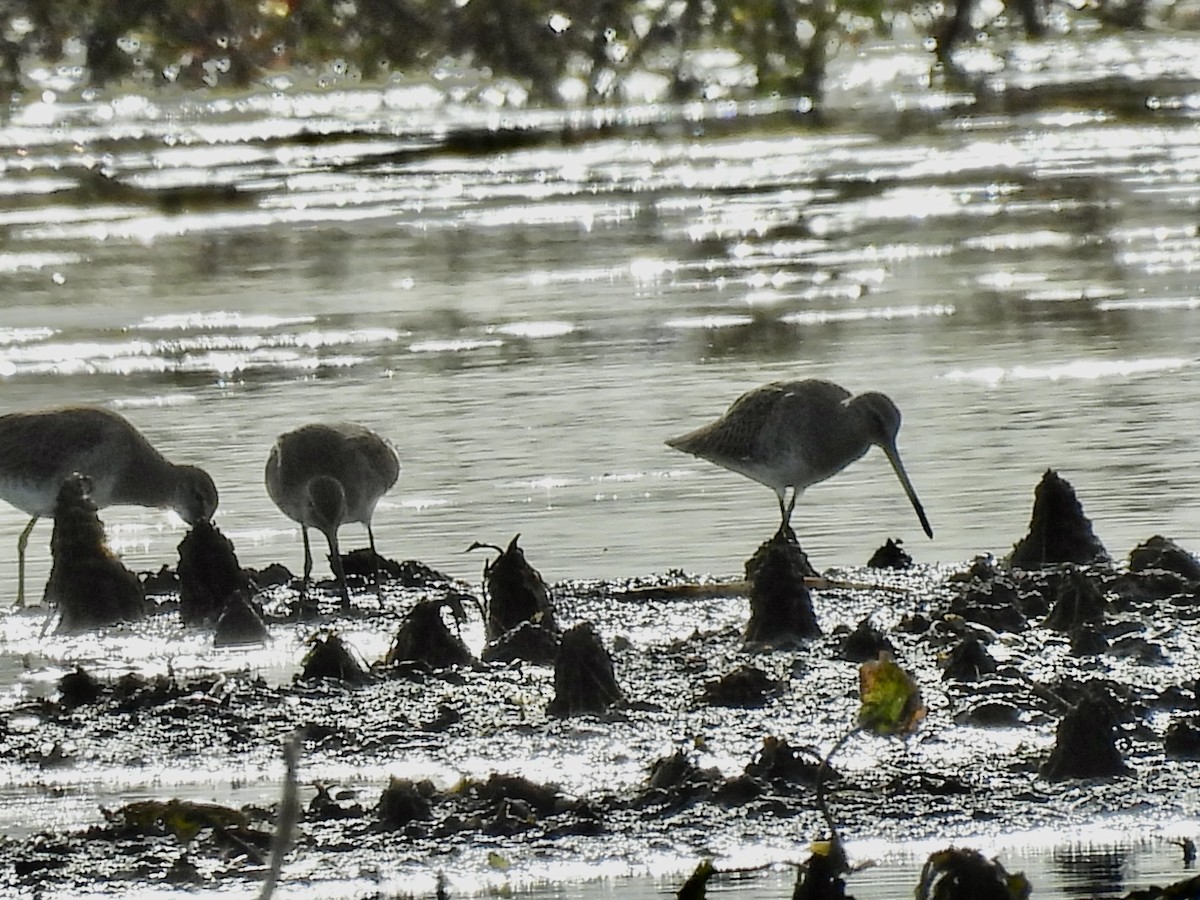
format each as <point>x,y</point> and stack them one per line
<point>741,588</point>
<point>285,818</point>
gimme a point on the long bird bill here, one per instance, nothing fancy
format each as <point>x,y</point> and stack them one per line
<point>893,456</point>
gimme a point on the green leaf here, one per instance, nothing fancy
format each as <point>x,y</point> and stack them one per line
<point>889,696</point>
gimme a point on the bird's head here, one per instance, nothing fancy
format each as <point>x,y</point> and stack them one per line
<point>883,419</point>
<point>326,504</point>
<point>881,414</point>
<point>195,495</point>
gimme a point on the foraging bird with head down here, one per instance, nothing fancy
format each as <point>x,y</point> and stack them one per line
<point>794,434</point>
<point>323,475</point>
<point>40,449</point>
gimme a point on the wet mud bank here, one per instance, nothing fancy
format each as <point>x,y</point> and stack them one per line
<point>512,731</point>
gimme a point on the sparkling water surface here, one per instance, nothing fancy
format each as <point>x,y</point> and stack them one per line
<point>529,324</point>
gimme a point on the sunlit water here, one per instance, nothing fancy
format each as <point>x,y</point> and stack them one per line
<point>528,326</point>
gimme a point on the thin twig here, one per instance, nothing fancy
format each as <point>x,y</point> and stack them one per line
<point>285,818</point>
<point>821,772</point>
<point>742,588</point>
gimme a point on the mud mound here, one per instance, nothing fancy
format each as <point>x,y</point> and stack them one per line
<point>745,686</point>
<point>1059,532</point>
<point>890,556</point>
<point>330,657</point>
<point>240,623</point>
<point>88,584</point>
<point>781,608</point>
<point>528,641</point>
<point>515,591</point>
<point>424,637</point>
<point>210,576</point>
<point>584,680</point>
<point>1085,743</point>
<point>1164,555</point>
<point>1078,601</point>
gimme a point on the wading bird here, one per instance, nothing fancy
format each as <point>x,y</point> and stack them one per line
<point>793,434</point>
<point>325,475</point>
<point>39,449</point>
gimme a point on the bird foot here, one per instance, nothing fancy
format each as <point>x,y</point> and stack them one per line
<point>785,532</point>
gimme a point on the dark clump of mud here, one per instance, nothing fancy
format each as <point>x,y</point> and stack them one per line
<point>412,573</point>
<point>1182,740</point>
<point>695,888</point>
<point>1085,743</point>
<point>584,680</point>
<point>515,592</point>
<point>990,714</point>
<point>506,805</point>
<point>366,565</point>
<point>210,575</point>
<point>164,581</point>
<point>1078,601</point>
<point>957,874</point>
<point>745,686</point>
<point>890,556</point>
<point>778,761</point>
<point>273,575</point>
<point>968,660</point>
<point>820,877</point>
<point>78,688</point>
<point>781,607</point>
<point>1163,555</point>
<point>993,601</point>
<point>425,638</point>
<point>865,642</point>
<point>1088,640</point>
<point>240,623</point>
<point>1059,532</point>
<point>88,584</point>
<point>404,801</point>
<point>330,657</point>
<point>528,641</point>
<point>676,780</point>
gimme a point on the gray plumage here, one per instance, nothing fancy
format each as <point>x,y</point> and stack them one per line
<point>793,434</point>
<point>39,449</point>
<point>324,475</point>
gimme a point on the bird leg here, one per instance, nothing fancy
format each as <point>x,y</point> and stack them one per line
<point>307,563</point>
<point>786,505</point>
<point>22,543</point>
<point>375,563</point>
<point>302,609</point>
<point>339,571</point>
<point>785,513</point>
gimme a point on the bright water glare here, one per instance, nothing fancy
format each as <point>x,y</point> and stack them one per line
<point>528,324</point>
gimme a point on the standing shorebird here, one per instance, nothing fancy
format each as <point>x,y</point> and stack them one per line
<point>38,450</point>
<point>324,475</point>
<point>793,434</point>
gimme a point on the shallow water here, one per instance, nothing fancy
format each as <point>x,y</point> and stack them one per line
<point>220,742</point>
<point>528,325</point>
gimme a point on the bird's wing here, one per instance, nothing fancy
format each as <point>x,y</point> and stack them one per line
<point>735,435</point>
<point>801,413</point>
<point>44,445</point>
<point>377,457</point>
